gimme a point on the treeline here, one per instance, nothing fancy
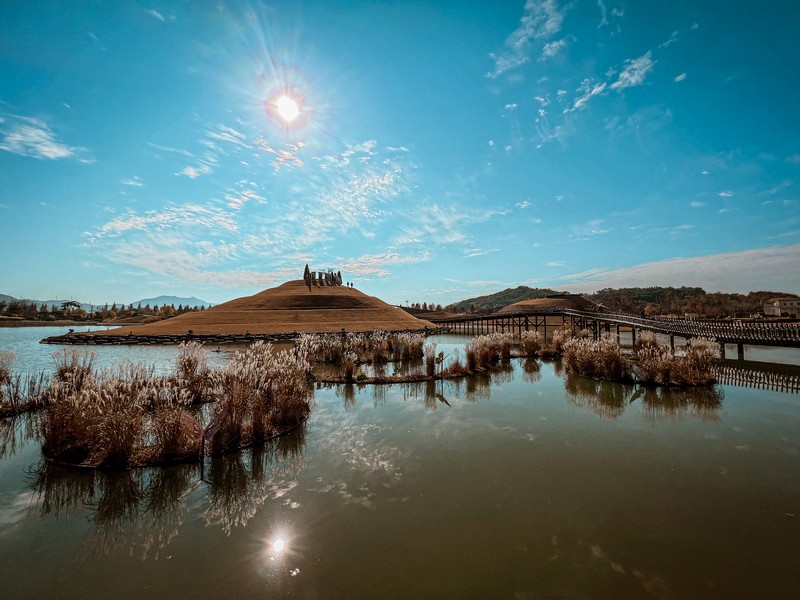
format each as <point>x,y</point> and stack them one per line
<point>425,306</point>
<point>649,301</point>
<point>73,311</point>
<point>678,301</point>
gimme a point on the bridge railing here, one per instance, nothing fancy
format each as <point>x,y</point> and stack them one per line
<point>768,333</point>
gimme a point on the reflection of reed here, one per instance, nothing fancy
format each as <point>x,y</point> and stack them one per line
<point>662,403</point>
<point>348,392</point>
<point>63,492</point>
<point>142,510</point>
<point>15,431</point>
<point>605,398</point>
<point>379,395</point>
<point>478,387</point>
<point>608,400</point>
<point>531,370</point>
<point>236,492</point>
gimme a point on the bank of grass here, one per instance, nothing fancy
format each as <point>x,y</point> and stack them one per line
<point>126,416</point>
<point>649,364</point>
<point>418,361</point>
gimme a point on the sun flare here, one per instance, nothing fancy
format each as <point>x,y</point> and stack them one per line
<point>287,108</point>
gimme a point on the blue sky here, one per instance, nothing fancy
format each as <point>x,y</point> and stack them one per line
<point>440,150</point>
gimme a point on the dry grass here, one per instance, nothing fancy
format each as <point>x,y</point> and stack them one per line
<point>658,365</point>
<point>531,343</point>
<point>126,416</point>
<point>290,307</point>
<point>601,358</point>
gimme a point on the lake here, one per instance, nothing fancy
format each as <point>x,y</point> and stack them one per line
<point>525,484</point>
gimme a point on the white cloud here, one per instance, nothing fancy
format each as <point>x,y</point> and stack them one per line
<point>195,172</point>
<point>377,264</point>
<point>603,14</point>
<point>29,136</point>
<point>135,181</point>
<point>762,269</point>
<point>726,194</point>
<point>680,77</point>
<point>155,14</point>
<point>695,204</point>
<point>169,218</point>
<point>589,90</point>
<point>541,20</point>
<point>635,72</point>
<point>552,48</point>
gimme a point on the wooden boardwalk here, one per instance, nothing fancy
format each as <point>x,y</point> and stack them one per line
<point>786,335</point>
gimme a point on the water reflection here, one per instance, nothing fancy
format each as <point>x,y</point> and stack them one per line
<point>609,400</point>
<point>15,432</point>
<point>605,398</point>
<point>674,404</point>
<point>143,510</point>
<point>531,370</point>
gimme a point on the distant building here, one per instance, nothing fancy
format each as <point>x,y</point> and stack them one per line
<point>782,307</point>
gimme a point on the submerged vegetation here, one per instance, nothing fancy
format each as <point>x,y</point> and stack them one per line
<point>127,416</point>
<point>650,363</point>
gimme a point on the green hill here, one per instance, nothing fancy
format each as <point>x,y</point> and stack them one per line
<point>492,302</point>
<point>650,300</point>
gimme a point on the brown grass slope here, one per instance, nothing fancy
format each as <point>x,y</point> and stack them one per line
<point>289,307</point>
<point>549,303</point>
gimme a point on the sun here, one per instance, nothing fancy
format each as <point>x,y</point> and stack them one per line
<point>287,108</point>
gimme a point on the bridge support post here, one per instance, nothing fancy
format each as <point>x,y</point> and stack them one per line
<point>672,342</point>
<point>740,351</point>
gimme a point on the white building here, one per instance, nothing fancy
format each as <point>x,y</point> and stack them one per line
<point>782,307</point>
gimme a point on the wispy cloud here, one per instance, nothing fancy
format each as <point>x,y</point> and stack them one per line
<point>155,14</point>
<point>635,72</point>
<point>29,136</point>
<point>378,264</point>
<point>195,172</point>
<point>169,218</point>
<point>134,181</point>
<point>285,157</point>
<point>552,48</point>
<point>726,194</point>
<point>766,268</point>
<point>680,78</point>
<point>541,20</point>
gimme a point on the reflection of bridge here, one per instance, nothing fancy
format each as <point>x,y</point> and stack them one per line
<point>757,334</point>
<point>756,375</point>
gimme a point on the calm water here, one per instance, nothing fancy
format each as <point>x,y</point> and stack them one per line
<point>528,485</point>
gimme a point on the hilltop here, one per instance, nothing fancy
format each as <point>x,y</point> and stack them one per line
<point>292,306</point>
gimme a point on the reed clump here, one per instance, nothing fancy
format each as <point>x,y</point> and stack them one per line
<point>658,365</point>
<point>484,351</point>
<point>601,358</point>
<point>650,364</point>
<point>191,369</point>
<point>127,416</point>
<point>531,343</point>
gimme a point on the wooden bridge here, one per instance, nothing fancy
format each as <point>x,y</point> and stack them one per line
<point>785,335</point>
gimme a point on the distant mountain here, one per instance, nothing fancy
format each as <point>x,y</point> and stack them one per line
<point>153,302</point>
<point>49,303</point>
<point>172,300</point>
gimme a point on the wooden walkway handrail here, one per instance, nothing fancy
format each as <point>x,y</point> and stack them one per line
<point>764,334</point>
